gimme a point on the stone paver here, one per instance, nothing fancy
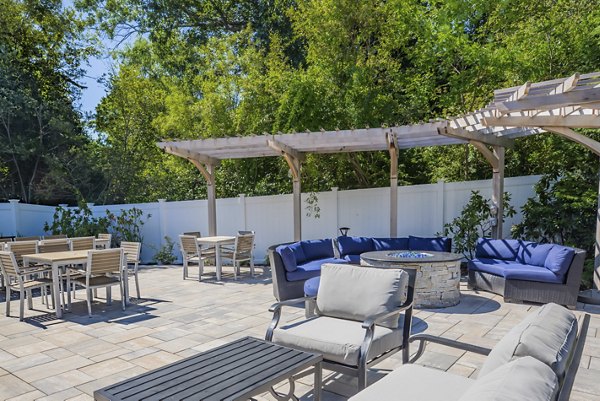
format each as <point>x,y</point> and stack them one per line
<point>48,359</point>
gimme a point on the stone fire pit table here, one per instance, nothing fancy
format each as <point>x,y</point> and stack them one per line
<point>437,274</point>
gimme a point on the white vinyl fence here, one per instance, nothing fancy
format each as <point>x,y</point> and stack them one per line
<point>422,211</point>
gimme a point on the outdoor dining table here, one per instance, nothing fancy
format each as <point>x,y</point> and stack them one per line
<point>57,260</point>
<point>217,241</point>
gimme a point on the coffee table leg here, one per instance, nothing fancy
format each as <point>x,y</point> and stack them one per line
<point>285,397</point>
<point>318,382</point>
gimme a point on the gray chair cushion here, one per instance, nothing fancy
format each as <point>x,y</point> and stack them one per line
<point>337,339</point>
<point>356,293</point>
<point>547,334</point>
<point>416,383</point>
<point>522,379</point>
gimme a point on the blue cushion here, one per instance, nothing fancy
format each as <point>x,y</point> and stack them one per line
<point>387,244</point>
<point>439,244</point>
<point>296,247</point>
<point>354,245</point>
<point>506,249</point>
<point>532,253</point>
<point>512,270</point>
<point>310,269</point>
<point>317,249</point>
<point>354,259</point>
<point>559,259</point>
<point>311,286</point>
<point>288,258</point>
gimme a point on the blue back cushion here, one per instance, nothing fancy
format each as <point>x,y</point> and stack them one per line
<point>559,259</point>
<point>387,244</point>
<point>317,249</point>
<point>439,244</point>
<point>296,247</point>
<point>288,258</point>
<point>532,253</point>
<point>354,245</point>
<point>506,249</point>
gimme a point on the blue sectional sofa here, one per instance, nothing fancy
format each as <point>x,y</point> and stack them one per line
<point>527,271</point>
<point>292,264</point>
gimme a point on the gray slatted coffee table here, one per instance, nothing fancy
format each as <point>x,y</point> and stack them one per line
<point>235,371</point>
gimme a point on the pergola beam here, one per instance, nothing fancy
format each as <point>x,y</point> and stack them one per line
<point>466,135</point>
<point>567,86</point>
<point>187,154</point>
<point>569,120</point>
<point>568,133</point>
<point>548,102</point>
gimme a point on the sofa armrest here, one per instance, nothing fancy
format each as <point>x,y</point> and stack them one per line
<point>576,268</point>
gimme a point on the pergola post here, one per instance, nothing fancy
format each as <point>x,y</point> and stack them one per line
<point>294,160</point>
<point>498,192</point>
<point>496,159</point>
<point>393,149</point>
<point>594,146</point>
<point>208,171</point>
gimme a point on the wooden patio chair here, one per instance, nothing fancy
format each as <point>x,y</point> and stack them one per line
<point>55,236</point>
<point>132,252</point>
<point>53,245</point>
<point>16,280</point>
<point>191,252</point>
<point>100,273</point>
<point>104,237</point>
<point>242,251</point>
<point>21,248</point>
<point>83,243</point>
<point>31,238</point>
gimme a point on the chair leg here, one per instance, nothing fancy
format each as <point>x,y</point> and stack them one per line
<point>122,287</point>
<point>21,305</point>
<point>252,266</point>
<point>109,295</point>
<point>362,378</point>
<point>51,297</point>
<point>89,301</point>
<point>200,268</point>
<point>185,268</point>
<point>7,299</point>
<point>137,281</point>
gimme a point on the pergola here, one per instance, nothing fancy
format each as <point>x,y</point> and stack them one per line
<point>555,106</point>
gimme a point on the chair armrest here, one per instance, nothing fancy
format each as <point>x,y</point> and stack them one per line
<point>276,309</point>
<point>373,320</point>
<point>427,338</point>
<point>290,302</point>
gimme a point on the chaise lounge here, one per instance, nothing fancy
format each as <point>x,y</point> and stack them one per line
<point>527,271</point>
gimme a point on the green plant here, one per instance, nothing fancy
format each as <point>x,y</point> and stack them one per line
<point>80,222</point>
<point>475,221</point>
<point>164,255</point>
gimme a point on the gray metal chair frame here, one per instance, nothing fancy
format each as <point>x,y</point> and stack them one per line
<point>243,251</point>
<point>11,271</point>
<point>359,371</point>
<point>566,384</point>
<point>99,273</point>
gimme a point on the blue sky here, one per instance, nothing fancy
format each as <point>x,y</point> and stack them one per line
<point>91,96</point>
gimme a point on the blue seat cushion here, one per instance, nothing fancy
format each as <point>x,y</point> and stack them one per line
<point>532,253</point>
<point>354,259</point>
<point>438,244</point>
<point>310,269</point>
<point>317,249</point>
<point>512,270</point>
<point>506,249</point>
<point>288,258</point>
<point>559,259</point>
<point>354,245</point>
<point>311,286</point>
<point>387,244</point>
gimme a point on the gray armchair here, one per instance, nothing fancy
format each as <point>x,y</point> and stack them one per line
<point>358,319</point>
